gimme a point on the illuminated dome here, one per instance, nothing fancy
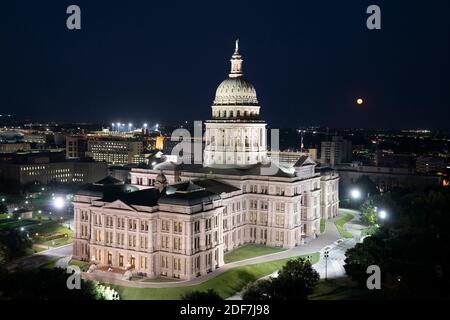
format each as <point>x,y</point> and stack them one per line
<point>235,91</point>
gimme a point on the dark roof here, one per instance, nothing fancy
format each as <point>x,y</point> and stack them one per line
<point>189,198</point>
<point>146,197</point>
<point>109,180</point>
<point>187,186</point>
<point>216,186</point>
<point>324,170</point>
<point>253,170</point>
<point>101,191</point>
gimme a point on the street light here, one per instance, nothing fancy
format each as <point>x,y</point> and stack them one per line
<point>58,203</point>
<point>326,255</point>
<point>355,194</point>
<point>382,214</point>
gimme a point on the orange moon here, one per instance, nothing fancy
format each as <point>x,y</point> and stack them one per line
<point>359,101</point>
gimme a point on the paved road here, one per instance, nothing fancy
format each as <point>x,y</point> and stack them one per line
<point>38,259</point>
<point>327,239</point>
<point>334,266</point>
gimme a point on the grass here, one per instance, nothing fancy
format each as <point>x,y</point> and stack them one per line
<point>83,265</point>
<point>13,223</point>
<point>322,225</point>
<point>4,216</point>
<point>226,284</point>
<point>49,228</point>
<point>330,290</point>
<point>50,264</point>
<point>340,225</point>
<point>249,251</point>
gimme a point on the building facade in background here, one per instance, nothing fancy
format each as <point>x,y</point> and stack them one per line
<point>47,167</point>
<point>336,151</point>
<point>115,151</point>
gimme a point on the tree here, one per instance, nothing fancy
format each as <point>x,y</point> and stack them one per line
<point>411,247</point>
<point>3,208</point>
<point>209,295</point>
<point>367,186</point>
<point>14,244</point>
<point>295,281</point>
<point>368,213</point>
<point>258,290</point>
<point>45,284</point>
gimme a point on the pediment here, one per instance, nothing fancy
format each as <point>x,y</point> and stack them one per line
<point>118,204</point>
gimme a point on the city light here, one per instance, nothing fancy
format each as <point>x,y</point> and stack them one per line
<point>58,203</point>
<point>382,214</point>
<point>3,199</point>
<point>145,125</point>
<point>355,193</point>
<point>22,228</point>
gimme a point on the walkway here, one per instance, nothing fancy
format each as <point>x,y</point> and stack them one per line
<point>38,259</point>
<point>334,267</point>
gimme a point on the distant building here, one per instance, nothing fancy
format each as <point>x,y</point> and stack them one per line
<point>386,178</point>
<point>336,151</point>
<point>45,167</point>
<point>289,158</point>
<point>76,146</point>
<point>35,138</point>
<point>430,164</point>
<point>115,151</point>
<point>14,147</point>
<point>159,143</point>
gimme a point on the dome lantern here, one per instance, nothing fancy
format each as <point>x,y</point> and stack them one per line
<point>236,63</point>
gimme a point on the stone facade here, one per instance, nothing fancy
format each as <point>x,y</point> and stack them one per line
<point>178,220</point>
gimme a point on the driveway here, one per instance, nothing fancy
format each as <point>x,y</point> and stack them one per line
<point>40,258</point>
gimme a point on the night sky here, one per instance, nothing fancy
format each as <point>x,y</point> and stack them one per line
<point>162,61</point>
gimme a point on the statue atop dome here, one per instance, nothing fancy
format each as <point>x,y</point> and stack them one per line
<point>236,62</point>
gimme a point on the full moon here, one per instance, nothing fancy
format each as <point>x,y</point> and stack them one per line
<point>359,101</point>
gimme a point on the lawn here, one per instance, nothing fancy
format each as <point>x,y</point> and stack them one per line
<point>4,216</point>
<point>225,284</point>
<point>83,265</point>
<point>13,223</point>
<point>340,225</point>
<point>330,290</point>
<point>249,251</point>
<point>49,229</point>
<point>322,225</point>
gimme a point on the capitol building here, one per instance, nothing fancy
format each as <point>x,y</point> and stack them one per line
<point>177,220</point>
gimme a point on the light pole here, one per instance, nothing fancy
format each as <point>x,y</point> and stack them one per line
<point>326,255</point>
